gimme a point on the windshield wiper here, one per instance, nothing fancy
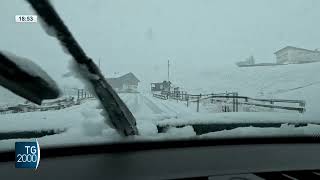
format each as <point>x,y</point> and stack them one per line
<point>26,79</point>
<point>118,113</point>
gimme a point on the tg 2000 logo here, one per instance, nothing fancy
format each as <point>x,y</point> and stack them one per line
<point>27,154</point>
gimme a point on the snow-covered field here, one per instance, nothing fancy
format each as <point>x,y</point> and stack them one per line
<point>84,123</point>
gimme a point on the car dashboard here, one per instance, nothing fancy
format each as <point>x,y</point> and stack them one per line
<point>259,158</point>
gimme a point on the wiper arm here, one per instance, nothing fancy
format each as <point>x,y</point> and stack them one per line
<point>118,113</point>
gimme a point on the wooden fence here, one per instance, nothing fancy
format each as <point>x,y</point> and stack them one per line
<point>77,93</point>
<point>234,100</point>
<point>160,96</point>
<point>74,97</point>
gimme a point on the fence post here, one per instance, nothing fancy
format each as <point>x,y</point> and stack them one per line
<point>78,94</point>
<point>237,103</point>
<point>198,101</point>
<point>233,103</point>
<point>64,91</point>
<point>187,100</point>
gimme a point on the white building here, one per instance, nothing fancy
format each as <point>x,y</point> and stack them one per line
<point>294,55</point>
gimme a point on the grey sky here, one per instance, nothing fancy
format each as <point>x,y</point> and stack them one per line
<point>140,35</point>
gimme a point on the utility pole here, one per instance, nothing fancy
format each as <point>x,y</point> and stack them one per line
<point>99,64</point>
<point>168,70</point>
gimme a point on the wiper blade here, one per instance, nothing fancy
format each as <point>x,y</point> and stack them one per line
<point>120,116</point>
<point>26,79</point>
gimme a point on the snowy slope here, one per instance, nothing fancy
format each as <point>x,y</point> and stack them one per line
<point>293,81</point>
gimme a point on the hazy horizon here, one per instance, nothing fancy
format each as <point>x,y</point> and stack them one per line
<point>140,36</point>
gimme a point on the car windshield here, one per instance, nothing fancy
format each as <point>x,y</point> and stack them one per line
<point>183,69</point>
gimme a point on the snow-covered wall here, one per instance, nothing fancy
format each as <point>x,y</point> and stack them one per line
<point>296,56</point>
<point>302,56</point>
<point>282,57</point>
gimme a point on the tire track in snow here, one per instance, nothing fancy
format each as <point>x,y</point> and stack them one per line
<point>280,91</point>
<point>133,103</point>
<point>141,104</point>
<point>136,104</point>
<point>152,105</point>
<point>173,110</point>
<point>125,97</point>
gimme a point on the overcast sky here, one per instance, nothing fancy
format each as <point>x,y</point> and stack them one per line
<point>141,35</point>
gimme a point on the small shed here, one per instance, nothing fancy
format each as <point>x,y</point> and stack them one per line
<point>248,62</point>
<point>161,86</point>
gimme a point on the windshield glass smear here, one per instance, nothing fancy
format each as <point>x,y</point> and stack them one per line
<point>158,70</point>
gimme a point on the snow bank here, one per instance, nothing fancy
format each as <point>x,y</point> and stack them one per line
<point>285,130</point>
<point>237,117</point>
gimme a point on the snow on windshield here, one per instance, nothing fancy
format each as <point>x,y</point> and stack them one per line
<point>191,69</point>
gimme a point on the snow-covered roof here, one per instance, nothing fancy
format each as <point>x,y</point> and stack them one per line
<point>295,48</point>
<point>117,82</point>
<point>128,76</point>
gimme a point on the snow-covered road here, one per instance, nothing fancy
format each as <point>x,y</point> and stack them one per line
<point>140,105</point>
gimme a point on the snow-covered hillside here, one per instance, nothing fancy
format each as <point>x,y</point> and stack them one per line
<point>294,81</point>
